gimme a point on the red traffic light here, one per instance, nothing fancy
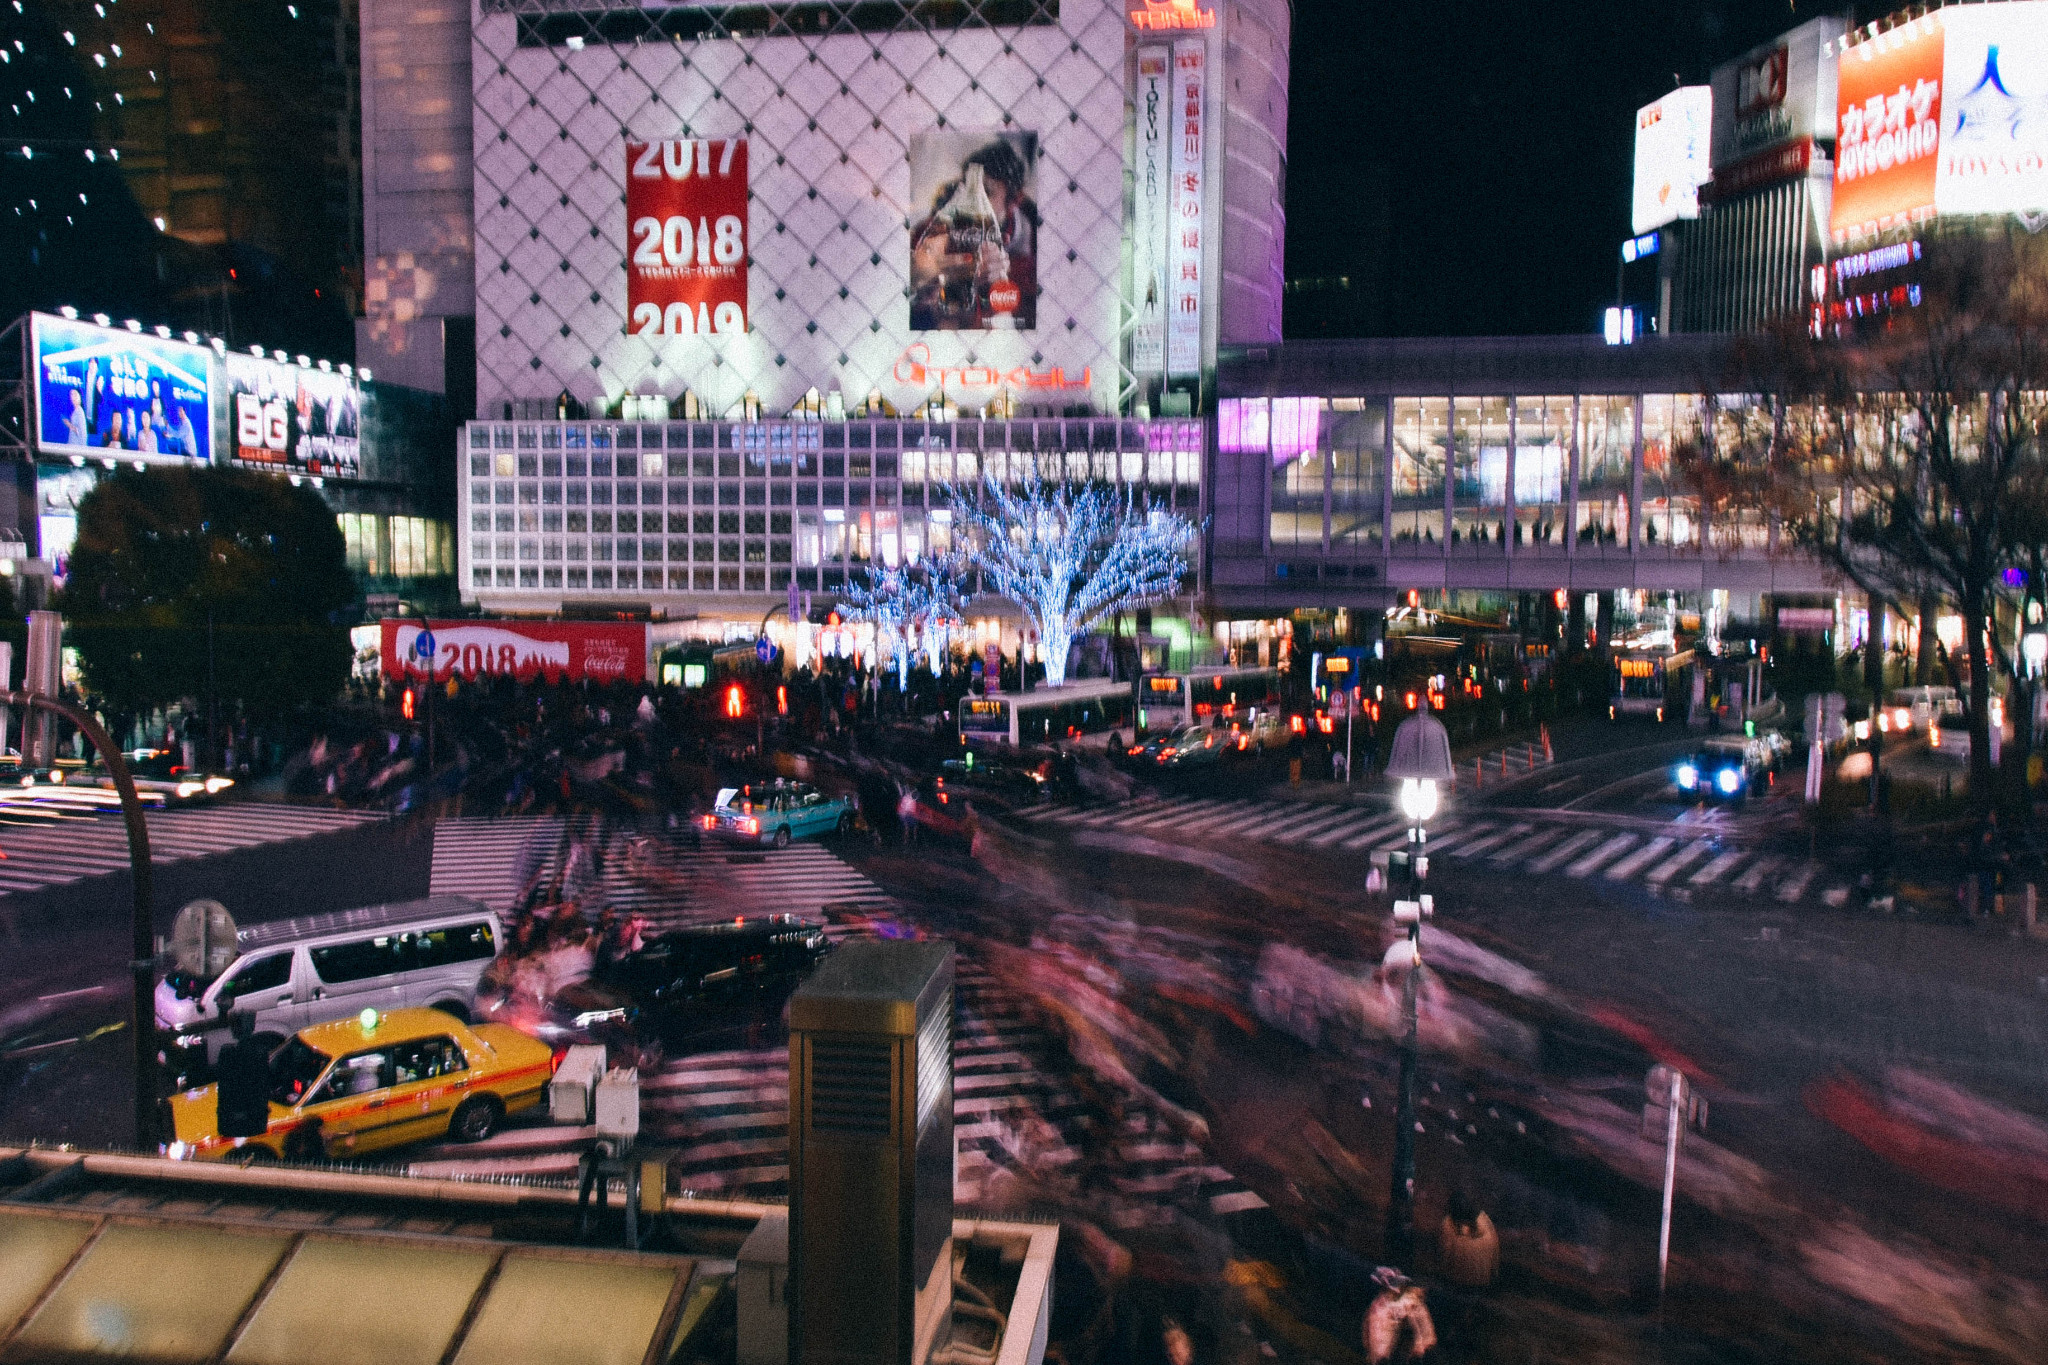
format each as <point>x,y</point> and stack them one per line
<point>405,705</point>
<point>735,702</point>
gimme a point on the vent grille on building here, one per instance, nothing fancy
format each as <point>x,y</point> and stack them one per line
<point>934,1058</point>
<point>850,1087</point>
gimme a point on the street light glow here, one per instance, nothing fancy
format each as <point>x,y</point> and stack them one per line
<point>1418,799</point>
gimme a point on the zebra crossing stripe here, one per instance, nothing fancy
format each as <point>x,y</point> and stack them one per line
<point>1479,846</point>
<point>1718,868</point>
<point>1636,861</point>
<point>1613,846</point>
<point>1564,850</point>
<point>1749,882</point>
<point>1166,811</point>
<point>1221,815</point>
<point>1450,843</point>
<point>1346,829</point>
<point>76,846</point>
<point>1372,833</point>
<point>1678,862</point>
<point>1305,820</point>
<point>1514,853</point>
<point>1793,889</point>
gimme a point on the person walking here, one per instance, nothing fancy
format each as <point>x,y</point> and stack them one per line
<point>1397,1325</point>
<point>1467,1244</point>
<point>242,1083</point>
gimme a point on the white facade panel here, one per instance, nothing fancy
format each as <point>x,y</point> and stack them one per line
<point>829,120</point>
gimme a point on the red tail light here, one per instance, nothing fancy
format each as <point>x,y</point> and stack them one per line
<point>555,1062</point>
<point>711,822</point>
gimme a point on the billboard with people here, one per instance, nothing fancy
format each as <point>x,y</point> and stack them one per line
<point>108,392</point>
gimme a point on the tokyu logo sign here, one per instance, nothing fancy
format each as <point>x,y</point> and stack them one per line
<point>1163,15</point>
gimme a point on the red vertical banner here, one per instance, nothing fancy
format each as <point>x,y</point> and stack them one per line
<point>686,227</point>
<point>1185,247</point>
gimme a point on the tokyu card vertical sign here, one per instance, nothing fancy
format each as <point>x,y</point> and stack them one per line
<point>1184,243</point>
<point>686,216</point>
<point>1149,294</point>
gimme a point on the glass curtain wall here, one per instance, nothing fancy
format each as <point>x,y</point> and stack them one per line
<point>1299,469</point>
<point>1607,438</point>
<point>1542,456</point>
<point>1355,443</point>
<point>1479,453</point>
<point>1671,509</point>
<point>1744,432</point>
<point>1422,433</point>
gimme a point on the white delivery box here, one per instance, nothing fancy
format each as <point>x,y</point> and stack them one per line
<point>574,1088</point>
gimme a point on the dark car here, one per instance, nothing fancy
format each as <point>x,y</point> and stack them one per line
<point>710,980</point>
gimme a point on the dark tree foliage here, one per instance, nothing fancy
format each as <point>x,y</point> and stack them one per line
<point>163,552</point>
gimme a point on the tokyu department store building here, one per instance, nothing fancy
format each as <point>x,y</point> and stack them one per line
<point>753,285</point>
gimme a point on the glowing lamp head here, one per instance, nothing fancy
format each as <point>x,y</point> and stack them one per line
<point>1418,798</point>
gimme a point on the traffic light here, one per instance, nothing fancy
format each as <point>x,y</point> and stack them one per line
<point>405,705</point>
<point>782,701</point>
<point>735,702</point>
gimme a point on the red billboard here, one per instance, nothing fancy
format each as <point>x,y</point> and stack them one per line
<point>571,651</point>
<point>686,224</point>
<point>1888,104</point>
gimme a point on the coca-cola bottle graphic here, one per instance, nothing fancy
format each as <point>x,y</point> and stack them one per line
<point>975,249</point>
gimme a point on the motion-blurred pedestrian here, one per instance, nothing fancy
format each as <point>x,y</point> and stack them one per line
<point>1398,1325</point>
<point>1468,1244</point>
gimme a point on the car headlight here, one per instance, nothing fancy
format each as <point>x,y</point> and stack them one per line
<point>1728,780</point>
<point>589,1017</point>
<point>188,1040</point>
<point>1688,776</point>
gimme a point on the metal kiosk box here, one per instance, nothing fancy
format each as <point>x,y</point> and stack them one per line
<point>871,1155</point>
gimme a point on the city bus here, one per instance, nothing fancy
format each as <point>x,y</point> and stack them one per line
<point>1205,696</point>
<point>1091,707</point>
<point>1649,682</point>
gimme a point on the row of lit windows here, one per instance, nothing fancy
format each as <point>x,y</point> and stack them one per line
<point>604,439</point>
<point>1155,467</point>
<point>380,546</point>
<point>605,578</point>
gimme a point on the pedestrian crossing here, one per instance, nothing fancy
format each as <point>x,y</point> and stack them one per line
<point>667,875</point>
<point>1019,1120</point>
<point>1678,858</point>
<point>59,846</point>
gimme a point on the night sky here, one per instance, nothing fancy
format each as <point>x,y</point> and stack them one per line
<point>1467,163</point>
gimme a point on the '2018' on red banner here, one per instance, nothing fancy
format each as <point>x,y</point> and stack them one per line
<point>601,651</point>
<point>686,218</point>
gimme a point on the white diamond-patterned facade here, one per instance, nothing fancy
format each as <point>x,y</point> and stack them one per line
<point>842,107</point>
<point>787,347</point>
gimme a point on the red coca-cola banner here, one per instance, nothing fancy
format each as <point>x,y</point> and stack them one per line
<point>686,220</point>
<point>601,651</point>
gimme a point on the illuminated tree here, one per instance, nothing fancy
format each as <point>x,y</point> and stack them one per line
<point>1069,555</point>
<point>908,604</point>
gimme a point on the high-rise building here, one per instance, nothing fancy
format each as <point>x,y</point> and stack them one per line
<point>785,228</point>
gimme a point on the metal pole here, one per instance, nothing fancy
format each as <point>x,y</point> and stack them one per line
<point>142,947</point>
<point>1672,1100</point>
<point>1401,1203</point>
<point>1350,721</point>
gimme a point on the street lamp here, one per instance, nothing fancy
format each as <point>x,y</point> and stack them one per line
<point>1420,761</point>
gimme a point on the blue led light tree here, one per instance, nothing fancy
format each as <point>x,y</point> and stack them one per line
<point>1069,555</point>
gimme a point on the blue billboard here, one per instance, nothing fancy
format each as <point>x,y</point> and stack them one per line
<point>101,391</point>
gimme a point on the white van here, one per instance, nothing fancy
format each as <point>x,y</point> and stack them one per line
<point>295,972</point>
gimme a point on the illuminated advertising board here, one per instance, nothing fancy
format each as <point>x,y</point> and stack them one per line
<point>1888,118</point>
<point>601,651</point>
<point>1184,242</point>
<point>102,391</point>
<point>293,418</point>
<point>974,238</point>
<point>686,224</point>
<point>1994,111</point>
<point>1672,157</point>
<point>1153,191</point>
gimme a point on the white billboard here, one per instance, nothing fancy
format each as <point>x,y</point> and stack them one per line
<point>1771,105</point>
<point>1672,156</point>
<point>1994,110</point>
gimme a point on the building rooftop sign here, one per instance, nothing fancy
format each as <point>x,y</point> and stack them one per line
<point>1161,15</point>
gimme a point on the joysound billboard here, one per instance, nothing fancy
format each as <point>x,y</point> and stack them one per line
<point>1945,114</point>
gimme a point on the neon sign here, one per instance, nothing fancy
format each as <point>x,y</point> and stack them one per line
<point>914,367</point>
<point>1162,15</point>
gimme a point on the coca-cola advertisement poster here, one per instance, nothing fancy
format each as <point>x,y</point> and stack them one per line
<point>556,651</point>
<point>973,231</point>
<point>686,229</point>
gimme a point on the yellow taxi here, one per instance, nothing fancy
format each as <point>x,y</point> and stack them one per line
<point>373,1081</point>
